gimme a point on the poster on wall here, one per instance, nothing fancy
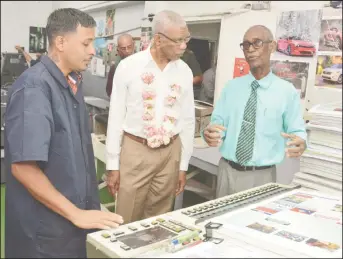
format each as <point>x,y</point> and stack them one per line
<point>37,40</point>
<point>241,68</point>
<point>98,67</point>
<point>329,72</point>
<point>100,28</point>
<point>137,41</point>
<point>294,72</point>
<point>109,54</point>
<point>331,35</point>
<point>297,33</point>
<point>110,18</point>
<point>146,36</point>
<point>100,46</point>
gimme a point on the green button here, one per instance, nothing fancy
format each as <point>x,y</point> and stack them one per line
<point>105,235</point>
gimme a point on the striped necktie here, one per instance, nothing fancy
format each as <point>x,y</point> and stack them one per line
<point>245,144</point>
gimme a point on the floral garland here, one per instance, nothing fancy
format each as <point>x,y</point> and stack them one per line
<point>157,136</point>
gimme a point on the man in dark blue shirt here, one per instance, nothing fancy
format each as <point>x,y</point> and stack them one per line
<point>52,196</point>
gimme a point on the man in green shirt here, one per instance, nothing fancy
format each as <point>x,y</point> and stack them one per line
<point>190,59</point>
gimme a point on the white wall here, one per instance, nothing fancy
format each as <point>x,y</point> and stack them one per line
<point>231,35</point>
<point>75,4</point>
<point>17,17</point>
<point>191,8</point>
<point>128,17</point>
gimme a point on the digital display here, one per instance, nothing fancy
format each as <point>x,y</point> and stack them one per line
<point>146,237</point>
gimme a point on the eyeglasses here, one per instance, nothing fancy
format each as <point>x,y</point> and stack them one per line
<point>257,43</point>
<point>178,41</point>
<point>127,48</point>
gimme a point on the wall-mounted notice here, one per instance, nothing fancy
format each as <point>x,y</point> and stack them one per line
<point>297,33</point>
<point>98,67</point>
<point>37,40</point>
<point>294,72</point>
<point>146,36</point>
<point>329,72</point>
<point>100,28</point>
<point>241,67</point>
<point>110,18</point>
<point>331,35</point>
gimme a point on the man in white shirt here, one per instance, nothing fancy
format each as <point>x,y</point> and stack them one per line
<point>151,123</point>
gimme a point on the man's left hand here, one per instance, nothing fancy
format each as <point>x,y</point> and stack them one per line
<point>295,147</point>
<point>181,183</point>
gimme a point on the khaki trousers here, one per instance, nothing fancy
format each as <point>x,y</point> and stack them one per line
<point>230,181</point>
<point>148,179</point>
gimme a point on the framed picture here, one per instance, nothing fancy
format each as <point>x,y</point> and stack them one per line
<point>38,40</point>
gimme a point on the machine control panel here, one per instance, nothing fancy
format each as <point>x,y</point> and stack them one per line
<point>138,237</point>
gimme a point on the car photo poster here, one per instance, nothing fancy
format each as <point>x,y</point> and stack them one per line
<point>297,33</point>
<point>329,71</point>
<point>293,72</point>
<point>331,35</point>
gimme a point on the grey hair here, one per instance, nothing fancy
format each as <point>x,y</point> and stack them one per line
<point>265,29</point>
<point>122,36</point>
<point>166,19</point>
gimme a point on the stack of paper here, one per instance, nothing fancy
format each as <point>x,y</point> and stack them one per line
<point>321,163</point>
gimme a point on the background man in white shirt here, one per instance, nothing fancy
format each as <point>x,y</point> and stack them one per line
<point>151,123</point>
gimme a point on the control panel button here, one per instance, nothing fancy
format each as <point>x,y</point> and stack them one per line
<point>118,233</point>
<point>125,247</point>
<point>133,228</point>
<point>146,225</point>
<point>160,220</point>
<point>154,223</point>
<point>113,239</point>
<point>105,235</point>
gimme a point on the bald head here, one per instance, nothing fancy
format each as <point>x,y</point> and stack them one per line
<point>124,38</point>
<point>258,45</point>
<point>261,31</point>
<point>125,45</point>
<point>166,19</point>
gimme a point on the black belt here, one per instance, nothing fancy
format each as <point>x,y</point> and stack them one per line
<point>239,167</point>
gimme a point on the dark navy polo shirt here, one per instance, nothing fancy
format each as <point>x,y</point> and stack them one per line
<point>47,123</point>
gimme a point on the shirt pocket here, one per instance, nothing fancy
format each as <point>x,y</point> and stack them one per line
<point>271,124</point>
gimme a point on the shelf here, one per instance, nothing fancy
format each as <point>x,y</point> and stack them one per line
<point>105,36</point>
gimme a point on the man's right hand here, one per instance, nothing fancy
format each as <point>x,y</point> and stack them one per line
<point>95,219</point>
<point>113,181</point>
<point>17,47</point>
<point>212,134</point>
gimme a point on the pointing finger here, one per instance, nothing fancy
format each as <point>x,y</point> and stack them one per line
<point>290,136</point>
<point>220,127</point>
<point>293,150</point>
<point>293,143</point>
